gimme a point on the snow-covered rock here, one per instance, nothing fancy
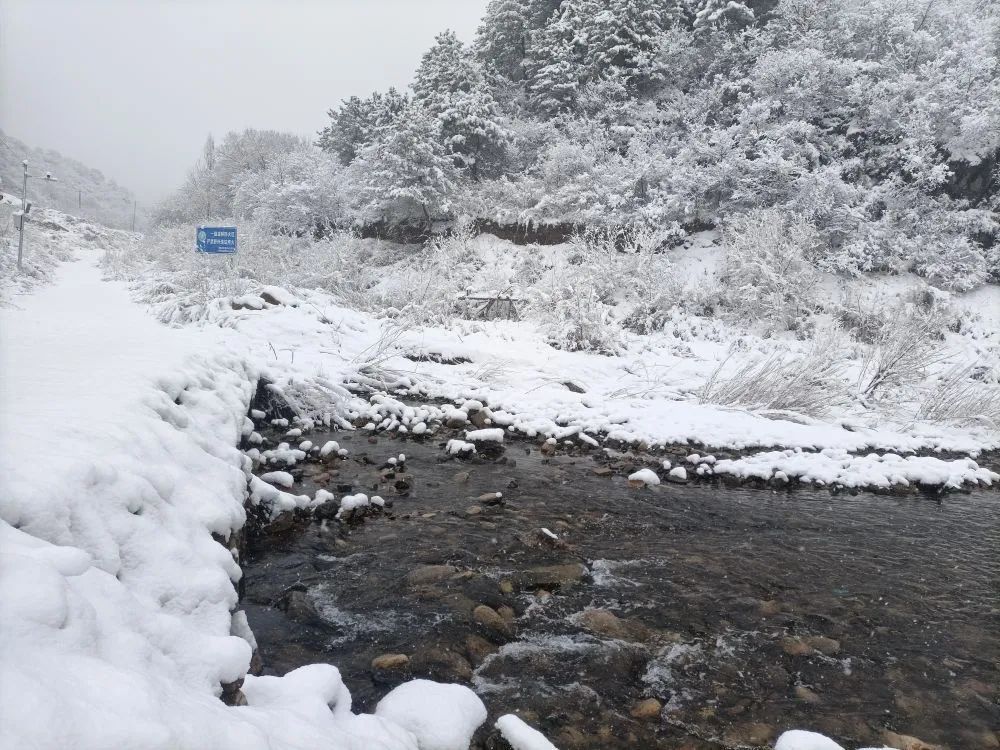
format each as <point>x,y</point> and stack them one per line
<point>486,435</point>
<point>645,476</point>
<point>456,447</point>
<point>280,478</point>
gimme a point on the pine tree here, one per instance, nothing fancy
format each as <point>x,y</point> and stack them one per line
<point>620,39</point>
<point>357,120</point>
<point>722,13</point>
<point>450,84</point>
<point>502,38</point>
<point>406,168</point>
<point>555,66</point>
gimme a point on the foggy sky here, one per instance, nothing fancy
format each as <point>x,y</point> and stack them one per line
<point>133,87</point>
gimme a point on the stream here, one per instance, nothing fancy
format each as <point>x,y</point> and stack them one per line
<point>675,616</point>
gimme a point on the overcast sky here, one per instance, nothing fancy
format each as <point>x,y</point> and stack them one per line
<point>132,87</point>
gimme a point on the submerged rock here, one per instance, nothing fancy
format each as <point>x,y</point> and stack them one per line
<point>552,576</point>
<point>428,574</point>
<point>646,709</point>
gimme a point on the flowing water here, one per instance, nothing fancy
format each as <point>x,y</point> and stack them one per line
<point>742,612</point>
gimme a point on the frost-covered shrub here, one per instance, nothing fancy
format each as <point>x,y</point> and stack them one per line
<point>952,262</point>
<point>428,290</point>
<point>572,305</point>
<point>767,274</point>
<point>906,344</point>
<point>575,319</point>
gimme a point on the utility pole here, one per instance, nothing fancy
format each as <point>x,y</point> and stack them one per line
<point>25,207</point>
<point>133,215</point>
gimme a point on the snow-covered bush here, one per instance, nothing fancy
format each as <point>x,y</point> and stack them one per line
<point>906,344</point>
<point>574,318</point>
<point>299,192</point>
<point>767,273</point>
<point>429,289</point>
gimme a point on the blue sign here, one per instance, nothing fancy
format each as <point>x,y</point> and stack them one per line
<point>216,239</point>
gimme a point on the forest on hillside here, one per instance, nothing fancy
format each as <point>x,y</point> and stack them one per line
<point>866,133</point>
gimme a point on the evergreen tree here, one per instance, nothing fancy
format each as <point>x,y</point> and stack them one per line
<point>357,120</point>
<point>450,84</point>
<point>722,13</point>
<point>555,66</point>
<point>406,169</point>
<point>620,36</point>
<point>502,38</point>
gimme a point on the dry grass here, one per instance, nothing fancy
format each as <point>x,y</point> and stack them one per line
<point>959,399</point>
<point>810,384</point>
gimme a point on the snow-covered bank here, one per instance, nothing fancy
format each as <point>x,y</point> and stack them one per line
<point>118,464</point>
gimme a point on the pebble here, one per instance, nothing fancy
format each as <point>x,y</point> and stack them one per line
<point>646,709</point>
<point>907,742</point>
<point>473,510</point>
<point>390,662</point>
<point>461,477</point>
<point>492,621</point>
<point>478,648</point>
<point>552,576</point>
<point>441,664</point>
<point>805,695</point>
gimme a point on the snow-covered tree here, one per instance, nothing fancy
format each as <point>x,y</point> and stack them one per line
<point>502,38</point>
<point>555,67</point>
<point>450,85</point>
<point>619,38</point>
<point>406,170</point>
<point>732,13</point>
<point>299,192</point>
<point>355,122</point>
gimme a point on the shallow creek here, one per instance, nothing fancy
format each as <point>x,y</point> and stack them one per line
<point>678,616</point>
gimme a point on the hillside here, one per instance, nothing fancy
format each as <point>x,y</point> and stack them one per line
<point>81,190</point>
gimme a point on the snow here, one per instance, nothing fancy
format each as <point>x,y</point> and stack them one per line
<point>281,478</point>
<point>797,739</point>
<point>838,467</point>
<point>330,446</point>
<point>646,476</point>
<point>456,447</point>
<point>440,716</point>
<point>520,736</point>
<point>353,502</point>
<point>488,435</point>
<point>679,472</point>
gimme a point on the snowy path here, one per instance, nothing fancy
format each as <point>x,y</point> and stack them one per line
<point>63,346</point>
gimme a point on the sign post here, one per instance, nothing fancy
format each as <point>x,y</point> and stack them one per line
<point>216,240</point>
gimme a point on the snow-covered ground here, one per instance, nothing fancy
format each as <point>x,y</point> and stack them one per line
<point>119,476</point>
